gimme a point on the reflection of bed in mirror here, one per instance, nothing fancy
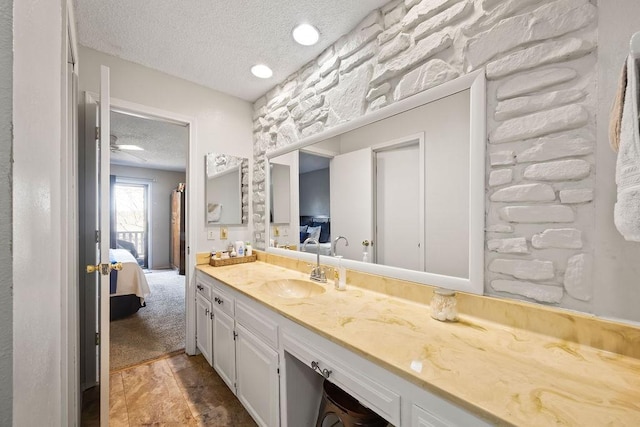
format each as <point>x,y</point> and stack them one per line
<point>129,286</point>
<point>318,228</point>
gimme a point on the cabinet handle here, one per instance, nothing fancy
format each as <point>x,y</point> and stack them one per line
<point>199,287</point>
<point>206,312</point>
<point>216,299</point>
<point>220,301</point>
<point>316,367</point>
<point>211,315</point>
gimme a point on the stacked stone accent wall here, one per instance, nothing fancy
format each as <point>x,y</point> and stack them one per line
<point>540,61</point>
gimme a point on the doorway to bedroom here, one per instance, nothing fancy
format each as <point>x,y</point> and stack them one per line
<point>148,165</point>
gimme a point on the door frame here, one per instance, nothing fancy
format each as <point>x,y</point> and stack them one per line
<point>194,189</point>
<point>69,228</point>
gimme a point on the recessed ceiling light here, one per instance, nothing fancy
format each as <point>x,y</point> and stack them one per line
<point>306,34</point>
<point>261,71</point>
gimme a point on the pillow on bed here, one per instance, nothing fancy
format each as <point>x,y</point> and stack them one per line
<point>325,231</point>
<point>303,233</point>
<point>314,232</point>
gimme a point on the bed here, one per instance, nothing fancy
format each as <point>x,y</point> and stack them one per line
<point>318,228</point>
<point>129,286</point>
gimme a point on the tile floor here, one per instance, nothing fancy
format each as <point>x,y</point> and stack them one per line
<point>177,391</point>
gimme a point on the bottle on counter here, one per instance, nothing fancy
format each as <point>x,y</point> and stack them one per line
<point>248,249</point>
<point>239,247</point>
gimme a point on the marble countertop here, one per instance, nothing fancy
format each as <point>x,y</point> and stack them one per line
<point>505,374</point>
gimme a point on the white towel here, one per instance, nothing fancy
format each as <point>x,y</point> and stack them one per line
<point>627,208</point>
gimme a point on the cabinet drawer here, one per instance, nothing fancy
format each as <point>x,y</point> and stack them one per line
<point>223,302</point>
<point>203,288</point>
<point>261,326</point>
<point>366,390</point>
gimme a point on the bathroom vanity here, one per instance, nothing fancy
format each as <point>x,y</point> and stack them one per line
<point>274,340</point>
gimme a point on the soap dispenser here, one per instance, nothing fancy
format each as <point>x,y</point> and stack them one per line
<point>340,279</point>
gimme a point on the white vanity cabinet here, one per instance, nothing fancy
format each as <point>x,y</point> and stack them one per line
<point>204,321</point>
<point>245,352</point>
<point>276,368</point>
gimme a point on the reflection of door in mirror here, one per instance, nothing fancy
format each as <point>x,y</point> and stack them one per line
<point>352,200</point>
<point>399,213</point>
<point>281,198</point>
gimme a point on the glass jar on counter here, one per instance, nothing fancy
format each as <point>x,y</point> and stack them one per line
<point>444,305</point>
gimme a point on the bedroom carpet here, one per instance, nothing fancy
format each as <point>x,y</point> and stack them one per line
<point>155,330</point>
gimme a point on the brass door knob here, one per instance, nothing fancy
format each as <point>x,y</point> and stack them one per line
<point>104,268</point>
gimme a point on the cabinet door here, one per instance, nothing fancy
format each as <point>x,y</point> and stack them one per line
<point>257,381</point>
<point>204,330</point>
<point>224,349</point>
<point>423,418</point>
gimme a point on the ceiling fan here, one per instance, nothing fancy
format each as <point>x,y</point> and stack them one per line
<point>125,148</point>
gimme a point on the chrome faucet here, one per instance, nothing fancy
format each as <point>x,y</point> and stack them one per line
<point>317,273</point>
<point>335,243</point>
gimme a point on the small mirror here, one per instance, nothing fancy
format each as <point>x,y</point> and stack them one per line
<point>226,189</point>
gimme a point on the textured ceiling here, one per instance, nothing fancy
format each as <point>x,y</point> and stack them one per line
<point>215,42</point>
<point>164,144</point>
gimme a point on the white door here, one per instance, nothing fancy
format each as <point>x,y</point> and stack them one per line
<point>351,193</point>
<point>224,349</point>
<point>204,327</point>
<point>398,198</point>
<point>258,379</point>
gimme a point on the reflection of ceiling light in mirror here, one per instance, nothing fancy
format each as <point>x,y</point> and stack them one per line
<point>129,147</point>
<point>306,34</point>
<point>261,71</point>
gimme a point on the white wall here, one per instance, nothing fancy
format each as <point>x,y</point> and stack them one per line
<point>162,184</point>
<point>617,270</point>
<point>6,270</point>
<point>314,193</point>
<point>223,122</point>
<point>38,212</point>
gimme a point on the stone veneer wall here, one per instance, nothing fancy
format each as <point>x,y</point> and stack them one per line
<point>540,61</point>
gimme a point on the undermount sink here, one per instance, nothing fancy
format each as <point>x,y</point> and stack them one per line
<point>292,288</point>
